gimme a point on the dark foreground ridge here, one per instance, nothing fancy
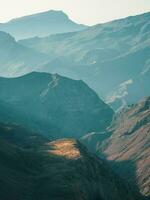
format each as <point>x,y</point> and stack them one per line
<point>32,167</point>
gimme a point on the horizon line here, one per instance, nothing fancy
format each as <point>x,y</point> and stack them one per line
<point>55,10</point>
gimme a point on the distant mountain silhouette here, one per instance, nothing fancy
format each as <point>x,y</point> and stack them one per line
<point>16,58</point>
<point>54,105</point>
<point>41,24</point>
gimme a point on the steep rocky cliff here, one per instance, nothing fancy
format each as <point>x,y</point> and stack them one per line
<point>127,145</point>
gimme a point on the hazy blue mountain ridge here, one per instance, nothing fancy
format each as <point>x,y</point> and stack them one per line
<point>41,24</point>
<point>112,58</point>
<point>16,59</point>
<point>109,57</point>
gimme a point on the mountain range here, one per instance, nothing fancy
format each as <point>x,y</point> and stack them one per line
<point>41,24</point>
<point>112,58</point>
<point>114,55</point>
<point>39,108</point>
<point>72,122</point>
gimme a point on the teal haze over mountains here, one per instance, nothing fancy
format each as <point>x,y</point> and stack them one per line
<point>41,24</point>
<point>72,126</point>
<point>54,105</point>
<point>112,58</point>
<point>15,58</point>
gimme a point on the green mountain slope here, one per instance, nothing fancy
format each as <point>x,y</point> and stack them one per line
<point>52,104</point>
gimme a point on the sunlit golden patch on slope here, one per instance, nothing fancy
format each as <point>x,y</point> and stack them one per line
<point>65,148</point>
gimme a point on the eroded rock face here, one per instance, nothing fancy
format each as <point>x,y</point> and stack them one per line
<point>127,145</point>
<point>131,141</point>
<point>52,104</point>
<point>60,170</point>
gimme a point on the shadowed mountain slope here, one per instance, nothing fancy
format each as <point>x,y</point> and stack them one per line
<point>60,170</point>
<point>52,104</point>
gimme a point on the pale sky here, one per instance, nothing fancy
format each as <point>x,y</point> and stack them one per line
<point>82,11</point>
